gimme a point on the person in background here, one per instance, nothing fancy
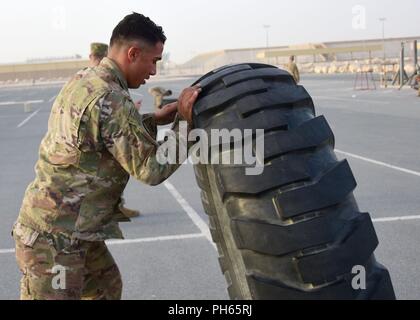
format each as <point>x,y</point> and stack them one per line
<point>293,69</point>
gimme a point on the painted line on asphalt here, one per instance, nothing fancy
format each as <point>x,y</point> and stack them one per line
<point>18,87</point>
<point>350,99</point>
<point>8,103</point>
<point>12,103</point>
<point>52,98</point>
<point>329,90</point>
<point>139,240</point>
<point>392,219</point>
<point>202,235</point>
<point>33,114</point>
<point>169,79</point>
<point>379,163</point>
<point>3,251</point>
<point>155,239</point>
<point>194,216</point>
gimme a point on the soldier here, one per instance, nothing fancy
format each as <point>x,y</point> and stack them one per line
<point>293,69</point>
<point>98,51</point>
<point>159,94</point>
<point>95,140</point>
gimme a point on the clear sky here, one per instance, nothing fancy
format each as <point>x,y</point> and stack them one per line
<point>47,28</point>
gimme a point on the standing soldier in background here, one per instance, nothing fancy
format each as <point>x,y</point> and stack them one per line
<point>95,140</point>
<point>159,95</point>
<point>98,51</point>
<point>293,69</point>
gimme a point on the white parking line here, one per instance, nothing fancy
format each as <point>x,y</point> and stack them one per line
<point>28,118</point>
<point>197,220</point>
<point>392,219</point>
<point>379,163</point>
<point>350,99</point>
<point>3,251</point>
<point>8,103</point>
<point>202,235</point>
<point>329,90</point>
<point>155,239</point>
<point>52,98</point>
<point>155,80</point>
<point>11,103</point>
<point>140,240</point>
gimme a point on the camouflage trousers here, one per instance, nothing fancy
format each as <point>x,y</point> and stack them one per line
<point>55,269</point>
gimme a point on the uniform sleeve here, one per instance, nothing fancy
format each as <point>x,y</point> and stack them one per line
<point>131,138</point>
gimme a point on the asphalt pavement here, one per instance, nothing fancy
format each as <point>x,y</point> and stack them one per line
<point>168,253</point>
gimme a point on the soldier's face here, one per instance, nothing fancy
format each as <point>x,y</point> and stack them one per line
<point>143,65</point>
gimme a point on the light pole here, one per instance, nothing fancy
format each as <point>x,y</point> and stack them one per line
<point>383,35</point>
<point>266,27</point>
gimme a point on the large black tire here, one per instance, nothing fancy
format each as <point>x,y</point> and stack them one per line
<point>295,231</point>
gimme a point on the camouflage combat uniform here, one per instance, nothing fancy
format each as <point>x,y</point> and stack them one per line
<point>99,49</point>
<point>294,71</point>
<point>95,140</point>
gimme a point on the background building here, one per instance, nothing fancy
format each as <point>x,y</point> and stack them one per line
<point>328,57</point>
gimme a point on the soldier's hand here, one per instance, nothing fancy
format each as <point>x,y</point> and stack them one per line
<point>186,101</point>
<point>138,105</point>
<point>166,114</point>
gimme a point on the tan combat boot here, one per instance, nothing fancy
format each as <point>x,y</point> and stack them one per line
<point>129,213</point>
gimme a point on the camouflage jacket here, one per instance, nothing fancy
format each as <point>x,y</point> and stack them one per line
<point>95,140</point>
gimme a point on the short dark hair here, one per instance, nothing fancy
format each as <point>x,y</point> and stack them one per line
<point>136,26</point>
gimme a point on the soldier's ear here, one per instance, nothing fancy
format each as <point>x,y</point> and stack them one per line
<point>133,54</point>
